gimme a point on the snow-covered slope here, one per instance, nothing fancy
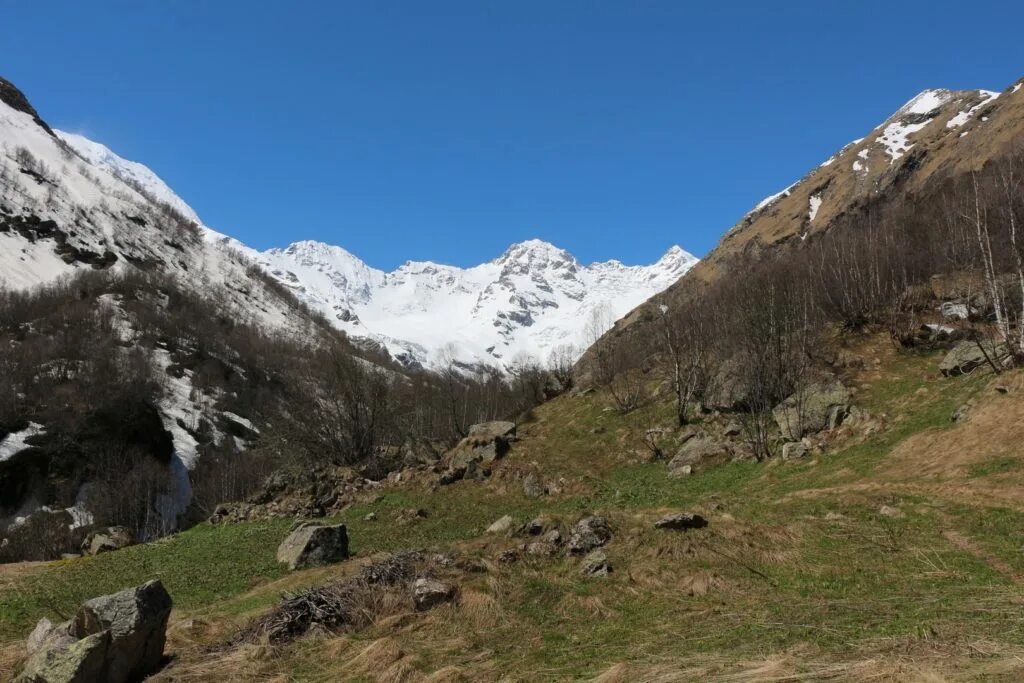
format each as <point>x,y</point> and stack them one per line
<point>109,212</point>
<point>529,300</point>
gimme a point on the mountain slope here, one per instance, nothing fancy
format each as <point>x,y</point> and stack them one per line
<point>936,136</point>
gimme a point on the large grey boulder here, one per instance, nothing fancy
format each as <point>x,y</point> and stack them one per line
<point>114,638</point>
<point>314,545</point>
<point>812,409</point>
<point>108,539</point>
<point>489,431</point>
<point>967,356</point>
<point>697,451</point>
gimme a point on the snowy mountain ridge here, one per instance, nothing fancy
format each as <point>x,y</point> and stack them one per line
<point>532,298</point>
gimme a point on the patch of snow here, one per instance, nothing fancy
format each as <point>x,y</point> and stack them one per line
<point>815,204</point>
<point>772,198</point>
<point>963,117</point>
<point>896,138</point>
<point>14,442</point>
<point>925,102</point>
<point>857,166</point>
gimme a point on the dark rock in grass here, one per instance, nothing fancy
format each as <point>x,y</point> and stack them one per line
<point>682,521</point>
<point>596,564</point>
<point>587,534</point>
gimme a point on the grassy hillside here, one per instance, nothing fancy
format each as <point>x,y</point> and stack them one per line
<point>895,556</point>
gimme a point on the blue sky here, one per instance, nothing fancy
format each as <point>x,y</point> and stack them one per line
<point>447,130</point>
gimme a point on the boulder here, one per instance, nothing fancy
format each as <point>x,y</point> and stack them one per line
<point>418,451</point>
<point>967,356</point>
<point>490,431</point>
<point>501,526</point>
<point>588,534</point>
<point>136,621</point>
<point>67,660</point>
<point>734,428</point>
<point>108,539</point>
<point>429,593</point>
<point>728,389</point>
<point>681,521</point>
<point>812,409</point>
<point>114,638</point>
<point>314,545</point>
<point>697,451</point>
<point>595,564</point>
<point>795,450</point>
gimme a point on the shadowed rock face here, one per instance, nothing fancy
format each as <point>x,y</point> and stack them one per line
<point>15,99</point>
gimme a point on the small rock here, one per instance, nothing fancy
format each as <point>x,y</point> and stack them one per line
<point>533,487</point>
<point>960,414</point>
<point>370,517</point>
<point>587,534</point>
<point>733,429</point>
<point>508,556</point>
<point>795,450</point>
<point>1002,389</point>
<point>429,593</point>
<point>890,511</point>
<point>40,634</point>
<point>595,564</point>
<point>535,527</point>
<point>681,522</point>
<point>681,471</point>
<point>501,526</point>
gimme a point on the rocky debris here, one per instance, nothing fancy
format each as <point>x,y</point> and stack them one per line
<point>314,545</point>
<point>114,638</point>
<point>416,451</point>
<point>537,526</point>
<point>794,450</point>
<point>595,564</point>
<point>533,487</point>
<point>501,526</point>
<point>699,450</point>
<point>429,593</point>
<point>108,539</point>
<point>314,493</point>
<point>682,521</point>
<point>508,556</point>
<point>472,457</point>
<point>967,356</point>
<point>815,407</point>
<point>588,534</point>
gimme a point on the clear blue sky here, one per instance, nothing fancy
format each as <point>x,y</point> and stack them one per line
<point>446,130</point>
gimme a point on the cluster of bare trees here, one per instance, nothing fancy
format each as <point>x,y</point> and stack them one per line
<point>750,340</point>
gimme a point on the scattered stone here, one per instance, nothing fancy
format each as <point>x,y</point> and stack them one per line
<point>107,540</point>
<point>489,431</point>
<point>960,414</point>
<point>114,638</point>
<point>410,515</point>
<point>535,527</point>
<point>541,548</point>
<point>533,487</point>
<point>313,545</point>
<point>370,517</point>
<point>587,534</point>
<point>683,471</point>
<point>682,521</point>
<point>596,564</point>
<point>508,556</point>
<point>501,526</point>
<point>429,593</point>
<point>834,516</point>
<point>893,512</point>
<point>795,450</point>
<point>817,406</point>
